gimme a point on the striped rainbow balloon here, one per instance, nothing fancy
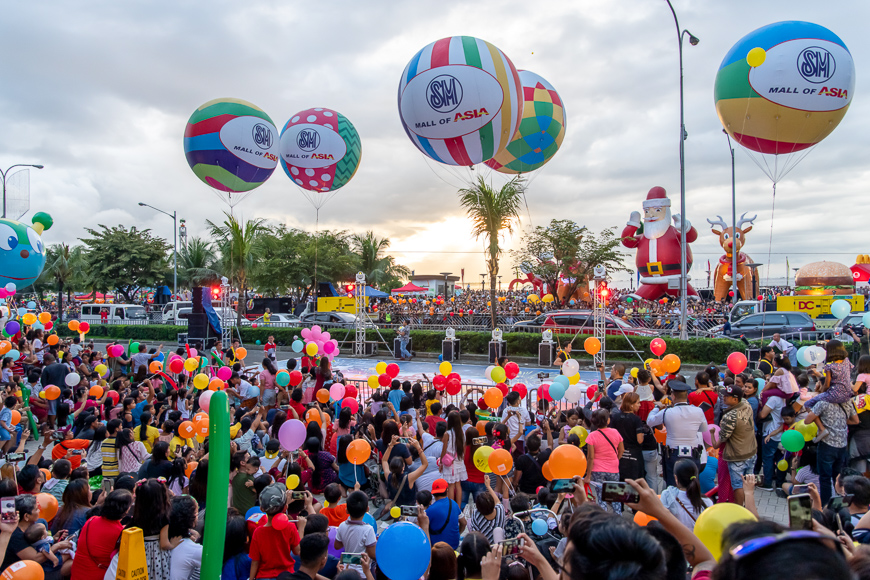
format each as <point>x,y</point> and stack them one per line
<point>460,100</point>
<point>231,145</point>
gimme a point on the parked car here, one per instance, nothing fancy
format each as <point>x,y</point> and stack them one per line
<point>332,320</point>
<point>172,311</point>
<point>117,313</point>
<point>574,321</point>
<point>766,324</point>
<point>855,322</point>
<point>278,320</point>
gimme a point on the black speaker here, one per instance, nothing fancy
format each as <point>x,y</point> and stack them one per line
<point>197,299</point>
<point>397,347</point>
<point>497,349</point>
<point>450,350</point>
<point>197,326</point>
<point>546,354</point>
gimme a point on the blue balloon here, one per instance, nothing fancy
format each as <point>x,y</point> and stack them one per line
<point>563,380</point>
<point>370,520</point>
<point>297,346</point>
<point>866,320</point>
<point>31,305</point>
<point>254,392</point>
<point>802,356</point>
<point>161,357</point>
<point>557,390</point>
<point>22,311</point>
<point>841,308</point>
<point>403,552</point>
<point>539,527</point>
<point>707,479</point>
<point>440,358</point>
<point>13,354</point>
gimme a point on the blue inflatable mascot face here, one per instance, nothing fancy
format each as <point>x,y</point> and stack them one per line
<point>22,254</point>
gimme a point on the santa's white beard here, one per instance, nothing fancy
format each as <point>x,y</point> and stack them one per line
<point>657,229</point>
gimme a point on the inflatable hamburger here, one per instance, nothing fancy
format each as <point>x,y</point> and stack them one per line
<point>819,278</point>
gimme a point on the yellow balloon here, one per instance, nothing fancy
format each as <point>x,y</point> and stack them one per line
<point>200,381</point>
<point>373,381</point>
<point>782,465</point>
<point>756,57</point>
<point>191,365</point>
<point>532,298</point>
<point>481,458</point>
<point>580,432</point>
<point>547,298</point>
<point>445,368</point>
<point>29,318</point>
<point>574,379</point>
<point>292,481</point>
<point>101,369</point>
<point>498,375</point>
<point>311,349</point>
<point>713,521</point>
<point>381,368</point>
<point>808,431</point>
<point>634,372</point>
<point>395,512</point>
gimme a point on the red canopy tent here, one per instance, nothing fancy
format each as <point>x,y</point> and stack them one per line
<point>410,288</point>
<point>861,272</point>
<point>90,297</point>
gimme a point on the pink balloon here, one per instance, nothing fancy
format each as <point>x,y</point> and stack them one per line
<point>193,352</point>
<point>3,293</point>
<point>205,399</point>
<point>336,391</point>
<point>328,348</point>
<point>335,352</point>
<point>707,439</point>
<point>306,333</point>
<point>325,337</point>
<point>316,329</point>
<point>224,373</point>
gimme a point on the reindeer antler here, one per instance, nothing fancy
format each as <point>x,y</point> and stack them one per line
<point>719,222</point>
<point>743,219</point>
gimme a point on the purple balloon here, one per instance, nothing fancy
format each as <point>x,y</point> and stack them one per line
<point>332,549</point>
<point>12,327</point>
<point>292,434</point>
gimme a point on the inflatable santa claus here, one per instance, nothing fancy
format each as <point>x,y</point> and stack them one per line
<point>658,247</point>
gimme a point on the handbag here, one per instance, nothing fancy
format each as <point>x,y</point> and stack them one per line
<point>385,510</point>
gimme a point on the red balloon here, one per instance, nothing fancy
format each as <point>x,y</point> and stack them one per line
<point>114,396</point>
<point>384,380</point>
<point>280,521</point>
<point>393,370</point>
<point>84,327</point>
<point>760,297</point>
<point>731,293</point>
<point>48,325</point>
<point>736,362</point>
<point>350,391</point>
<point>521,389</point>
<point>658,346</point>
<point>481,404</point>
<point>439,382</point>
<point>452,376</point>
<point>351,404</point>
<point>503,388</point>
<point>544,393</point>
<point>590,392</point>
<point>177,365</point>
<point>295,378</point>
<point>511,370</point>
<point>453,387</point>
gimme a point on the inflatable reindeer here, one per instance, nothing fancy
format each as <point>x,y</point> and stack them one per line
<point>732,241</point>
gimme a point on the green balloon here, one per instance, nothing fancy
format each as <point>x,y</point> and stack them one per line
<point>217,492</point>
<point>792,440</point>
<point>134,348</point>
<point>258,342</point>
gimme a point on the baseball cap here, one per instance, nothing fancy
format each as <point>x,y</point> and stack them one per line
<point>676,385</point>
<point>272,498</point>
<point>732,391</point>
<point>439,486</point>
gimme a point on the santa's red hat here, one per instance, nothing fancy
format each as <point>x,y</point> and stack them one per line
<point>657,197</point>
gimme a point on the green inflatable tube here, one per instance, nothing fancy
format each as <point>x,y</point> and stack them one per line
<point>25,399</point>
<point>218,486</point>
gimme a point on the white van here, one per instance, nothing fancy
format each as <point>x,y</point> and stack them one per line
<point>171,312</point>
<point>116,314</point>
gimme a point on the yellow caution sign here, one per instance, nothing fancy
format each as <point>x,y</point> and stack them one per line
<point>131,556</point>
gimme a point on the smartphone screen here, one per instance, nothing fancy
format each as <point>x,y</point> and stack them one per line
<point>619,492</point>
<point>7,510</point>
<point>799,489</point>
<point>15,456</point>
<point>511,547</point>
<point>479,440</point>
<point>108,484</point>
<point>839,502</point>
<point>297,495</point>
<point>560,485</point>
<point>409,511</point>
<point>800,512</point>
<point>351,558</point>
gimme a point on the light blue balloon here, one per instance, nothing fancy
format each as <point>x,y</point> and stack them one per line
<point>841,309</point>
<point>13,354</point>
<point>866,320</point>
<point>761,384</point>
<point>562,380</point>
<point>31,305</point>
<point>557,391</point>
<point>22,311</point>
<point>254,392</point>
<point>802,356</point>
<point>539,527</point>
<point>297,346</point>
<point>403,551</point>
<point>37,326</point>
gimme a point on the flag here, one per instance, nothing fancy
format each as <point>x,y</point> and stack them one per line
<point>787,272</point>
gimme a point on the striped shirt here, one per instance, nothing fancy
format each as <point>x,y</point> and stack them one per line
<point>479,523</point>
<point>110,459</point>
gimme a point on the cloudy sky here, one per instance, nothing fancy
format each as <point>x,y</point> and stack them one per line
<point>100,93</point>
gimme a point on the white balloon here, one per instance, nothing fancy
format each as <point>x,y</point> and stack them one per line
<point>570,367</point>
<point>72,379</point>
<point>488,372</point>
<point>573,394</point>
<point>816,355</point>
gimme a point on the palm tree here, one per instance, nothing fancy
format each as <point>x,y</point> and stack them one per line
<point>377,267</point>
<point>61,266</point>
<point>492,211</point>
<point>196,263</point>
<point>236,240</point>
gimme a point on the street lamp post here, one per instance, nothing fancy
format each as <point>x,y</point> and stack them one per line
<point>174,216</point>
<point>693,40</point>
<point>4,174</point>
<point>446,293</point>
<point>733,224</point>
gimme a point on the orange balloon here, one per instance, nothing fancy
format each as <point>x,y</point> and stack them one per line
<point>358,451</point>
<point>52,339</point>
<point>241,353</point>
<point>199,417</point>
<point>567,461</point>
<point>201,427</point>
<point>96,391</point>
<point>45,473</point>
<point>52,392</point>
<point>186,429</point>
<point>545,471</point>
<point>23,570</point>
<point>671,363</point>
<point>16,417</point>
<point>47,504</point>
<point>643,519</point>
<point>493,397</point>
<point>481,428</point>
<point>313,415</point>
<point>216,384</point>
<point>501,462</point>
<point>592,345</point>
<point>73,325</point>
<point>323,396</point>
<point>155,366</point>
<point>655,366</point>
<point>661,435</point>
<point>188,471</point>
<point>44,317</point>
<point>5,346</point>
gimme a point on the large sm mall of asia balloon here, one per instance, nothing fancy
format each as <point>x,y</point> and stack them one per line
<point>460,100</point>
<point>320,149</point>
<point>231,145</point>
<point>540,132</point>
<point>784,87</point>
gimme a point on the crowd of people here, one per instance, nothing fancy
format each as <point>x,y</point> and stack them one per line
<point>115,452</point>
